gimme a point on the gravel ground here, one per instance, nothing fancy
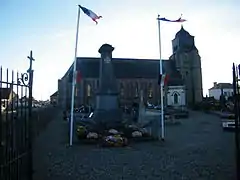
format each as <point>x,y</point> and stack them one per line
<point>197,149</point>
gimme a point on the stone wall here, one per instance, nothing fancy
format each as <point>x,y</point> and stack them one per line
<point>129,91</point>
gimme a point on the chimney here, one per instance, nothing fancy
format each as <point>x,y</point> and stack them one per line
<point>214,84</point>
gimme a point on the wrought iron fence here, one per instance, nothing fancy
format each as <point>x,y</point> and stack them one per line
<point>15,124</point>
<point>236,98</point>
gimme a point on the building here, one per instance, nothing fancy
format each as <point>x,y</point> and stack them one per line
<point>54,98</point>
<point>184,86</point>
<point>8,98</point>
<point>219,89</point>
<point>188,63</point>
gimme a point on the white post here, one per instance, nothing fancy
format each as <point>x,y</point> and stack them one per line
<point>74,81</point>
<point>161,84</point>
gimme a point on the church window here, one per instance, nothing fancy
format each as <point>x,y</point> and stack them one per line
<point>136,90</point>
<point>150,91</point>
<point>175,96</point>
<point>121,89</point>
<point>88,90</point>
<point>76,91</point>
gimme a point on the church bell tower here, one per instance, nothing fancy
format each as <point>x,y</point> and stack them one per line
<point>188,63</point>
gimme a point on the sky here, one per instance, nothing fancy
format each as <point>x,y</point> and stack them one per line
<point>48,28</point>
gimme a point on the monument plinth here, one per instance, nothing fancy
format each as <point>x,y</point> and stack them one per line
<point>107,113</point>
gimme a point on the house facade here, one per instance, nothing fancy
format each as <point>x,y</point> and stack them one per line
<point>184,86</point>
<point>8,98</point>
<point>218,89</point>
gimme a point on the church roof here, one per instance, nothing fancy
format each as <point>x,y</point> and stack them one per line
<point>54,94</point>
<point>126,68</point>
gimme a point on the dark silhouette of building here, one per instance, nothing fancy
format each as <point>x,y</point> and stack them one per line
<point>188,63</point>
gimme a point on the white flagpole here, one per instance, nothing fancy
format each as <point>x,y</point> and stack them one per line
<point>161,84</point>
<point>74,80</point>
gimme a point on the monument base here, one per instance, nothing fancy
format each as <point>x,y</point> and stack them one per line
<point>107,119</point>
<point>107,102</point>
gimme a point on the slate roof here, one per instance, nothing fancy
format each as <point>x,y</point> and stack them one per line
<point>182,33</point>
<point>5,93</point>
<point>128,68</point>
<point>223,86</point>
<point>54,94</point>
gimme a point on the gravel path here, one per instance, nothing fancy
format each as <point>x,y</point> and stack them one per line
<point>197,149</point>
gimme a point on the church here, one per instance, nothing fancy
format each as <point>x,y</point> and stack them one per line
<point>140,76</point>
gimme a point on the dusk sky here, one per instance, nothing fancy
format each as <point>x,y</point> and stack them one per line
<point>48,28</point>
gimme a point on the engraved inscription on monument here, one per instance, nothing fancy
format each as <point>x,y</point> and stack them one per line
<point>107,59</point>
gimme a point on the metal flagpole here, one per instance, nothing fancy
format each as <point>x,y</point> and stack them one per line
<point>161,84</point>
<point>74,80</point>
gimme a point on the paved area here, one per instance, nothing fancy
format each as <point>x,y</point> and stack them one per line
<point>197,149</point>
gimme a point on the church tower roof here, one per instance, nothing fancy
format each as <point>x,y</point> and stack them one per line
<point>183,41</point>
<point>182,33</point>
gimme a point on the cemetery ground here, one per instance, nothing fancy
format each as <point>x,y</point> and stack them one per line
<point>196,149</point>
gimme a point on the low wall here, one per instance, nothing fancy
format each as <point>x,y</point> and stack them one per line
<point>41,117</point>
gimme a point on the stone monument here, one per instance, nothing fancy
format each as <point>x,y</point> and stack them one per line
<point>107,114</point>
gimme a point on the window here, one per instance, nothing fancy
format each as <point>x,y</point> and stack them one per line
<point>76,91</point>
<point>88,90</point>
<point>136,89</point>
<point>175,96</point>
<point>121,89</point>
<point>150,91</point>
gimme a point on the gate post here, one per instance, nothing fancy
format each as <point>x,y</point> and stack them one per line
<point>30,84</point>
<point>236,71</point>
<point>28,77</point>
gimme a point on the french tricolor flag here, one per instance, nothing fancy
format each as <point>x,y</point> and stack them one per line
<point>163,79</point>
<point>91,14</point>
<point>169,20</point>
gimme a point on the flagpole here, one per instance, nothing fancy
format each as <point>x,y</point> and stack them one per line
<point>74,80</point>
<point>161,84</point>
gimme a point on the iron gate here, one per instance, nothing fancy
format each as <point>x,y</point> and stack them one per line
<point>236,97</point>
<point>15,124</point>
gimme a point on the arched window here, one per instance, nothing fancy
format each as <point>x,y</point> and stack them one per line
<point>175,97</point>
<point>136,89</point>
<point>150,91</point>
<point>121,89</point>
<point>88,90</point>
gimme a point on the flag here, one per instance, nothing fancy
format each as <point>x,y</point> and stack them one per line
<point>163,79</point>
<point>78,76</point>
<point>168,20</point>
<point>91,14</point>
